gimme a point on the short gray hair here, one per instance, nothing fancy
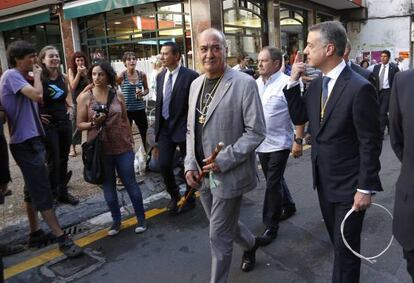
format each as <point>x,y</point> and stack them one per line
<point>332,32</point>
<point>275,53</point>
<point>219,34</point>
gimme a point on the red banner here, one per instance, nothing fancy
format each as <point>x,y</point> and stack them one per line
<point>4,4</point>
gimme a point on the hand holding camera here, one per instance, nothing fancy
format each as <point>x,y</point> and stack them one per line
<point>100,114</point>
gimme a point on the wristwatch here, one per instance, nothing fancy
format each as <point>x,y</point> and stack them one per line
<point>299,141</point>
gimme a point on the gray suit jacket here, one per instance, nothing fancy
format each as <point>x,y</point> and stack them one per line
<point>235,117</point>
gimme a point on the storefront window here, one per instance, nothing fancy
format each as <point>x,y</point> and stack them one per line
<point>293,27</point>
<point>243,27</point>
<point>142,29</point>
<point>39,35</point>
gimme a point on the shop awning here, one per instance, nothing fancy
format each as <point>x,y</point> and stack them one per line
<point>82,8</point>
<point>340,4</point>
<point>24,20</point>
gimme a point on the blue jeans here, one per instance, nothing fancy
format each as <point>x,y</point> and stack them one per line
<point>124,165</point>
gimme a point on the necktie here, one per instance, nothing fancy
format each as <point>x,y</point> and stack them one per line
<point>381,77</point>
<point>325,81</point>
<point>167,98</point>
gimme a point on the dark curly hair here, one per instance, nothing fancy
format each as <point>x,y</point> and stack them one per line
<point>72,62</point>
<point>107,68</point>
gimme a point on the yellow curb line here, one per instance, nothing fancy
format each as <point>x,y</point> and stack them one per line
<point>89,239</point>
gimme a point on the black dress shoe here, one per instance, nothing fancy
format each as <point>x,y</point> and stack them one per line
<point>287,211</point>
<point>249,257</point>
<point>269,234</point>
<point>172,206</point>
<point>190,204</point>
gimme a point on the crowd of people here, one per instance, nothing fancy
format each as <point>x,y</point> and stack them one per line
<point>221,121</point>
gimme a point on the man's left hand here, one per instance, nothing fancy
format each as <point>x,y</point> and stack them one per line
<point>210,165</point>
<point>297,150</point>
<point>361,201</point>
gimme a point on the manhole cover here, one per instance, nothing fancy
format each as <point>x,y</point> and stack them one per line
<point>65,269</point>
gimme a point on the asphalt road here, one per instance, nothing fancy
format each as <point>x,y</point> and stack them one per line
<point>176,249</point>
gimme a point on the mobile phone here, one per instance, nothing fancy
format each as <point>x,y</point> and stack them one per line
<point>300,55</point>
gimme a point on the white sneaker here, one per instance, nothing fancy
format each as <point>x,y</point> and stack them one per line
<point>142,227</point>
<point>115,228</point>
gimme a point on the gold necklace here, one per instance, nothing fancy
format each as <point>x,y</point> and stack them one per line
<point>202,109</point>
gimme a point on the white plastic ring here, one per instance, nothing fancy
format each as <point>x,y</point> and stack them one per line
<point>372,258</point>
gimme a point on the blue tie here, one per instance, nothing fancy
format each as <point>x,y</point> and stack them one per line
<point>167,98</point>
<point>325,81</point>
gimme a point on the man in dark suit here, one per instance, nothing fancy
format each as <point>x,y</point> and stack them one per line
<point>384,74</point>
<point>366,74</point>
<point>401,134</point>
<point>173,85</point>
<point>342,111</point>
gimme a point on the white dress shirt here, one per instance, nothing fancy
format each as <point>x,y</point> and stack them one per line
<point>279,126</point>
<point>333,75</point>
<point>385,82</point>
<point>174,78</point>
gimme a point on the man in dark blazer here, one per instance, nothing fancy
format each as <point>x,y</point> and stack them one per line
<point>173,85</point>
<point>384,74</point>
<point>342,110</point>
<point>366,74</point>
<point>401,135</point>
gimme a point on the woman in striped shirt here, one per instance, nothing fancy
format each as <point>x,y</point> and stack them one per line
<point>134,87</point>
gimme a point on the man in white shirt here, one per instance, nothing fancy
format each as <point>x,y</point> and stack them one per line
<point>384,74</point>
<point>274,150</point>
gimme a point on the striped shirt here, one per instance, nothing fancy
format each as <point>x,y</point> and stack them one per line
<point>129,90</point>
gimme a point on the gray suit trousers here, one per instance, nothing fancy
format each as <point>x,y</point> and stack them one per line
<point>225,228</point>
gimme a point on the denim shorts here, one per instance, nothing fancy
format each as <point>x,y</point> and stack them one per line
<point>30,156</point>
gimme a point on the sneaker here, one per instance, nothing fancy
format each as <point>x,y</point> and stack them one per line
<point>37,239</point>
<point>115,228</point>
<point>141,227</point>
<point>68,199</point>
<point>69,248</point>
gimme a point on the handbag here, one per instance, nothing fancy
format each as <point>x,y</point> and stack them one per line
<point>92,153</point>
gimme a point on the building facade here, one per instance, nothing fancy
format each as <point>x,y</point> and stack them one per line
<point>388,25</point>
<point>143,26</point>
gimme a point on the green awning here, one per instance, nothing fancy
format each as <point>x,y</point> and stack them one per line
<point>24,20</point>
<point>82,8</point>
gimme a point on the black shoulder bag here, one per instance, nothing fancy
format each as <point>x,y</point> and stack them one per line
<point>92,153</point>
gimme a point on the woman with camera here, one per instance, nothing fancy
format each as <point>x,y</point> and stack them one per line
<point>94,115</point>
<point>134,87</point>
<point>55,113</point>
<point>78,80</point>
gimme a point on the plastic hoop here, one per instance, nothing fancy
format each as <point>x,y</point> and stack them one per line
<point>372,258</point>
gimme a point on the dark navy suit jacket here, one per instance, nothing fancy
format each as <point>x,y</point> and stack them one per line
<point>402,135</point>
<point>346,144</point>
<point>177,122</point>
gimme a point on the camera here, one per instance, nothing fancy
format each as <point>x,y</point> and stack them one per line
<point>100,109</point>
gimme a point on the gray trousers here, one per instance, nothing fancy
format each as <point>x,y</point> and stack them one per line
<point>225,228</point>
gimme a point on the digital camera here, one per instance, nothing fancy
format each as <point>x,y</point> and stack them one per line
<point>100,109</point>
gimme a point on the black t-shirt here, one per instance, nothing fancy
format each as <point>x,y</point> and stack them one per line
<point>54,99</point>
<point>198,130</point>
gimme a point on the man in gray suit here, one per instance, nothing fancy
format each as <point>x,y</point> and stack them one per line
<point>224,106</point>
<point>401,135</point>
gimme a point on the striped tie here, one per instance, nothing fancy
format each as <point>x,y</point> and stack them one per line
<point>167,98</point>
